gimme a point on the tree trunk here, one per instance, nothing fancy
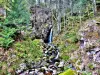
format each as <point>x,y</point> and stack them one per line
<point>38,2</point>
<point>59,16</point>
<point>71,7</point>
<point>94,7</point>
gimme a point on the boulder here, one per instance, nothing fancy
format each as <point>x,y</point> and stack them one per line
<point>41,19</point>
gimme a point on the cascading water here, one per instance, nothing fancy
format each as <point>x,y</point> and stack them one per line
<point>50,36</point>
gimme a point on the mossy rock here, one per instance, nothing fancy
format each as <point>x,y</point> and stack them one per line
<point>91,66</point>
<point>69,72</point>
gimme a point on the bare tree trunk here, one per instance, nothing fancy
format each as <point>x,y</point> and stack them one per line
<point>80,18</point>
<point>56,10</point>
<point>38,2</point>
<point>71,7</point>
<point>94,7</point>
<point>50,4</point>
<point>59,16</point>
<point>45,1</point>
<point>64,13</point>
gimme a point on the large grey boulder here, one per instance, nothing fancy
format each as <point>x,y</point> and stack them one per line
<point>41,19</point>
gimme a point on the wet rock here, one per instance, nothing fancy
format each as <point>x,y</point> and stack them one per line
<point>23,65</point>
<point>31,73</point>
<point>22,69</point>
<point>96,49</point>
<point>24,73</point>
<point>54,72</point>
<point>61,64</point>
<point>21,72</point>
<point>18,71</point>
<point>40,73</point>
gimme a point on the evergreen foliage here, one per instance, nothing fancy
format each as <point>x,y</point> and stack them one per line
<point>19,13</point>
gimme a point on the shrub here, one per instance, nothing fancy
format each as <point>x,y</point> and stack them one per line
<point>29,50</point>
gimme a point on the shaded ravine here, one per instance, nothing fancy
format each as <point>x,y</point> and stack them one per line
<point>88,55</point>
<point>50,63</point>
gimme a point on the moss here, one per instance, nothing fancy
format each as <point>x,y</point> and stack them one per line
<point>69,72</point>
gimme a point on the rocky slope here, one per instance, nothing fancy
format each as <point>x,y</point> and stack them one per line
<point>87,58</point>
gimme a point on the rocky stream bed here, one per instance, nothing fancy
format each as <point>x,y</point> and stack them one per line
<point>50,64</point>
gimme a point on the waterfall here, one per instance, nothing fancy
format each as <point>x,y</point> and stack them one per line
<point>50,36</point>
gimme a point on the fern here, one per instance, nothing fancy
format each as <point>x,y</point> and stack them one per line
<point>6,39</point>
<point>6,42</point>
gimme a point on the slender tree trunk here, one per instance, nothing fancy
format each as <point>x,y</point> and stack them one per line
<point>80,17</point>
<point>59,16</point>
<point>45,1</point>
<point>38,2</point>
<point>50,4</point>
<point>56,10</point>
<point>64,13</point>
<point>88,11</point>
<point>71,7</point>
<point>94,7</point>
